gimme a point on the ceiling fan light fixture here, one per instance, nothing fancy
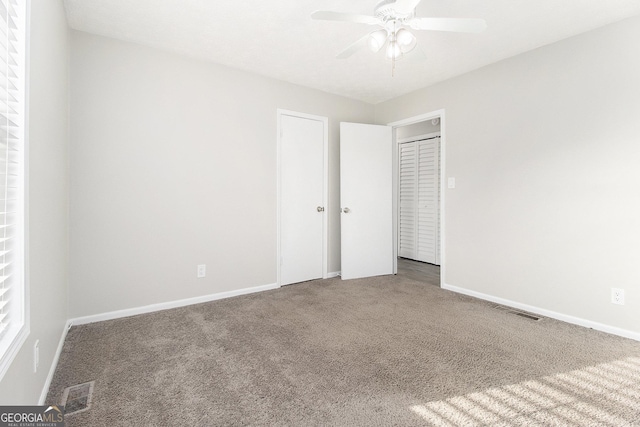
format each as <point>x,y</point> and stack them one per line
<point>396,20</point>
<point>406,40</point>
<point>377,39</point>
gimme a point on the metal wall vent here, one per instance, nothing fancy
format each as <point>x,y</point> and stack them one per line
<point>77,398</point>
<point>521,313</point>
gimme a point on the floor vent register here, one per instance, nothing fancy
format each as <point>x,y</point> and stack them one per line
<point>77,398</point>
<point>517,312</point>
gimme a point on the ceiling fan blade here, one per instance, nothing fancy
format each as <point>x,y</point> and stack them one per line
<point>460,25</point>
<point>346,17</point>
<point>353,48</point>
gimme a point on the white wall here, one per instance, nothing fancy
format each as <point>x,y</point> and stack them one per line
<point>173,164</point>
<point>545,149</point>
<point>48,201</point>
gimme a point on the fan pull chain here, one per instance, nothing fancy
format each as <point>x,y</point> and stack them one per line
<point>393,54</point>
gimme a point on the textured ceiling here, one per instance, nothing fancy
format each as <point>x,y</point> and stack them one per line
<point>278,39</point>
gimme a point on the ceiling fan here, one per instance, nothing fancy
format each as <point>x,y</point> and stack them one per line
<point>396,17</point>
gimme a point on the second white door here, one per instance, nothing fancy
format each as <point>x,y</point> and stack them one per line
<point>366,197</point>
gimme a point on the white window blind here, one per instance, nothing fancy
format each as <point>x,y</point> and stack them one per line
<point>13,324</point>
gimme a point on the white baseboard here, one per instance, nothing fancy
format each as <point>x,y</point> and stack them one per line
<point>333,274</point>
<point>54,365</point>
<point>547,313</point>
<point>168,305</point>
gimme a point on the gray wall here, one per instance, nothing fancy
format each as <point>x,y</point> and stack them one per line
<point>416,129</point>
<point>48,201</point>
<point>545,151</point>
<point>173,164</point>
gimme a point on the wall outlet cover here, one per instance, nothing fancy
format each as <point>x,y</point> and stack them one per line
<point>36,356</point>
<point>617,296</point>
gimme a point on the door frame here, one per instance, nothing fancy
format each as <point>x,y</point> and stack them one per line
<point>325,185</point>
<point>443,144</point>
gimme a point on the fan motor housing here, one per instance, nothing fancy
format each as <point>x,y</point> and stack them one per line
<point>395,9</point>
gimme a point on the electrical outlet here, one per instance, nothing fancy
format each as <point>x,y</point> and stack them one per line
<point>202,271</point>
<point>617,296</point>
<point>36,356</point>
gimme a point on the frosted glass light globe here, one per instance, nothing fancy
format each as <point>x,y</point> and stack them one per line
<point>393,50</point>
<point>377,39</point>
<point>406,40</point>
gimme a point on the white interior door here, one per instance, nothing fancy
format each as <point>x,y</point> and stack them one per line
<point>302,198</point>
<point>366,174</point>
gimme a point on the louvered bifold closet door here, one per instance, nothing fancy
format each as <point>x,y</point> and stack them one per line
<point>438,174</point>
<point>407,212</point>
<point>11,151</point>
<point>427,200</point>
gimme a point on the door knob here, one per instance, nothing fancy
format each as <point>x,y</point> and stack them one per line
<point>346,210</point>
<point>320,208</point>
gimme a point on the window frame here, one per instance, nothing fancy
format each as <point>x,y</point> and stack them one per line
<point>12,340</point>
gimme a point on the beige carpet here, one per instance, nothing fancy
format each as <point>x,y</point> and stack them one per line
<point>383,351</point>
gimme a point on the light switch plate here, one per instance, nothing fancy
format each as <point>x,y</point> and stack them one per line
<point>451,183</point>
<point>202,271</point>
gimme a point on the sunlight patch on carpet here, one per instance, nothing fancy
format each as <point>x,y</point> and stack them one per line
<point>602,394</point>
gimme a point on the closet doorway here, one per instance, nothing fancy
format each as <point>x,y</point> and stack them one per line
<point>419,171</point>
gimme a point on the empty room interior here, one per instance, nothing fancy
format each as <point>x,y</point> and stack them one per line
<point>322,213</point>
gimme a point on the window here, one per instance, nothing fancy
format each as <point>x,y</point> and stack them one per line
<point>14,326</point>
